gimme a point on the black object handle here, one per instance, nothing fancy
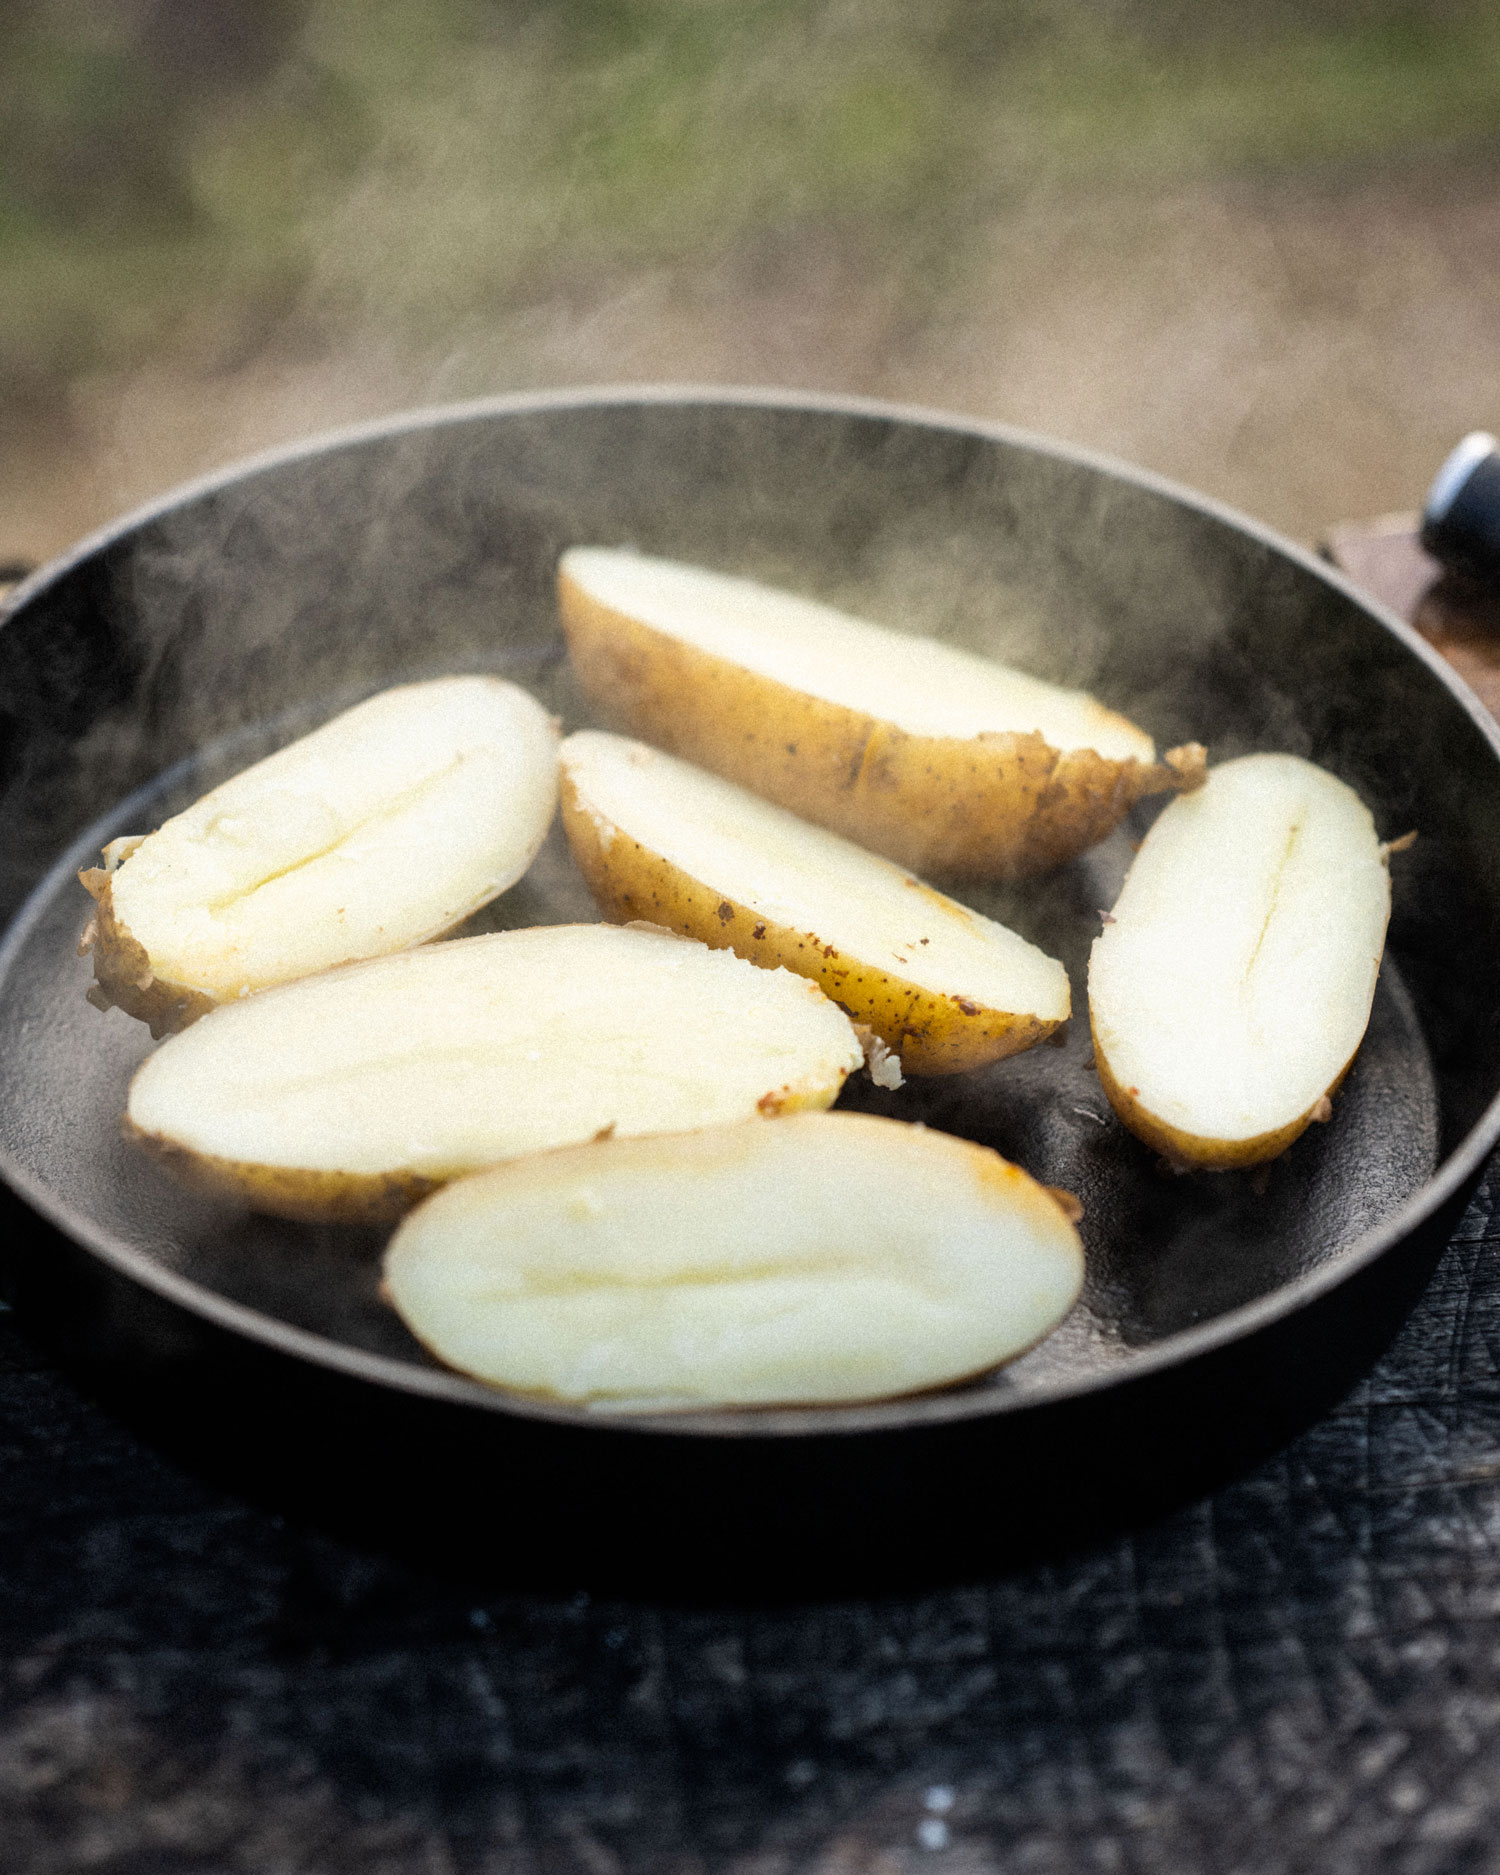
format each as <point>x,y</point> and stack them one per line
<point>1461,521</point>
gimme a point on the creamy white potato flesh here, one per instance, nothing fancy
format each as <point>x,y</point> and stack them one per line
<point>1234,984</point>
<point>821,1258</point>
<point>864,928</point>
<point>454,1056</point>
<point>922,687</point>
<point>382,829</point>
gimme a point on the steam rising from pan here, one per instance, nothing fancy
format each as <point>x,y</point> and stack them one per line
<point>432,549</point>
<point>276,596</point>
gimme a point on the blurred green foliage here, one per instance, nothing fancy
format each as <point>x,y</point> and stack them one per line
<point>192,175</point>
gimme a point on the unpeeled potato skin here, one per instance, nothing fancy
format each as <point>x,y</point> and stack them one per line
<point>123,977</point>
<point>1196,1152</point>
<point>1000,806</point>
<point>376,1199</point>
<point>932,1033</point>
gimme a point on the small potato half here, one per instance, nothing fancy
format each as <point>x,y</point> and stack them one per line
<point>945,762</point>
<point>826,1258</point>
<point>347,1096</point>
<point>1232,986</point>
<point>384,828</point>
<point>662,841</point>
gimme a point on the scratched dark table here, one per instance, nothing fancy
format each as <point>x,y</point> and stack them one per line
<point>1301,1672</point>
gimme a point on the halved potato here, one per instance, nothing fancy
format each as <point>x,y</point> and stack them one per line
<point>1232,986</point>
<point>830,1257</point>
<point>944,761</point>
<point>657,839</point>
<point>384,828</point>
<point>349,1095</point>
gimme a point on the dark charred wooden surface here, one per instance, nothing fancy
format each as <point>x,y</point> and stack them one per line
<point>1300,1673</point>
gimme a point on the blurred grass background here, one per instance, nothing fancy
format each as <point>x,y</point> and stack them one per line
<point>1254,248</point>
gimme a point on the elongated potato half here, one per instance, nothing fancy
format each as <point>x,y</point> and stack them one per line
<point>383,829</point>
<point>945,762</point>
<point>830,1257</point>
<point>1230,992</point>
<point>660,840</point>
<point>347,1096</point>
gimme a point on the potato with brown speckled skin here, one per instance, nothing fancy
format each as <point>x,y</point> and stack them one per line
<point>658,840</point>
<point>941,760</point>
<point>124,977</point>
<point>345,1097</point>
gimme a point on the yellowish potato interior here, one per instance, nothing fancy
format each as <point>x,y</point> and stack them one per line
<point>1235,982</point>
<point>823,1258</point>
<point>917,684</point>
<point>440,1060</point>
<point>384,828</point>
<point>868,911</point>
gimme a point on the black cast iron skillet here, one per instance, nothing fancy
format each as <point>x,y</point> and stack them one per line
<point>1219,1311</point>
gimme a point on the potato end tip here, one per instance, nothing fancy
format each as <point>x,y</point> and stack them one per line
<point>1068,1202</point>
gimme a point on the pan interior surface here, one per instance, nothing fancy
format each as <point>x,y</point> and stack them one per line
<point>236,621</point>
<point>1164,1253</point>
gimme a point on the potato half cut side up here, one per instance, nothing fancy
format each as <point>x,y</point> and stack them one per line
<point>349,1095</point>
<point>942,760</point>
<point>657,839</point>
<point>1233,986</point>
<point>385,828</point>
<point>830,1257</point>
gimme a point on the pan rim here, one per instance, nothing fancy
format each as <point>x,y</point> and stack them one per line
<point>908,1413</point>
